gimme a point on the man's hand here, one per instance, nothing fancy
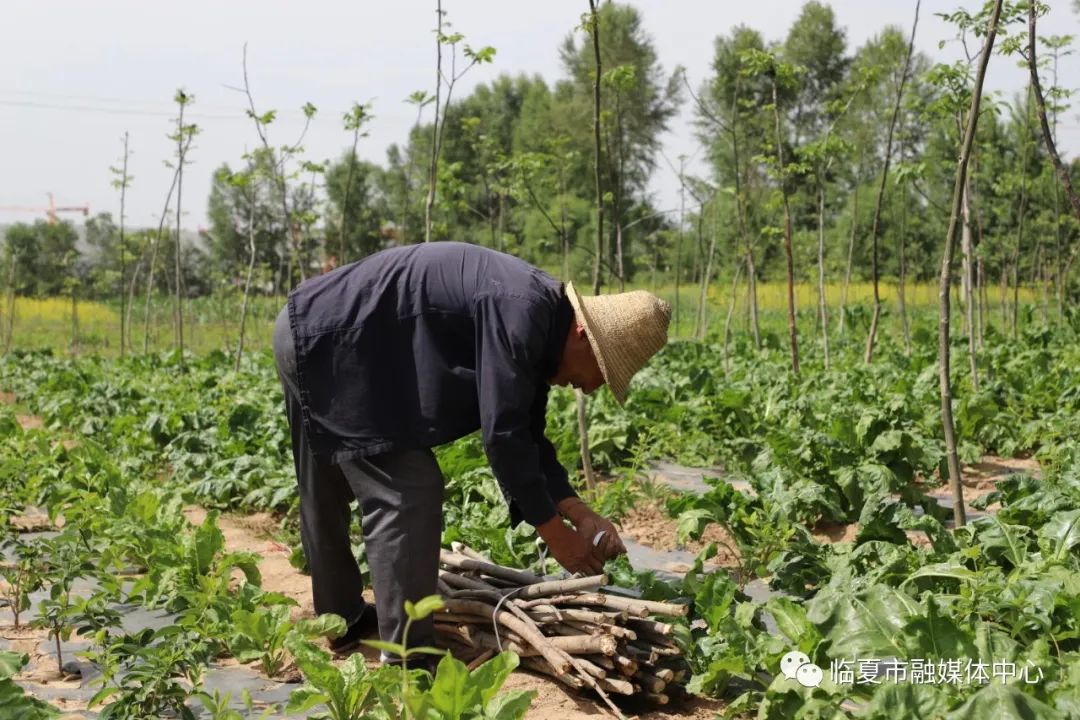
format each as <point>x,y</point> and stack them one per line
<point>589,525</point>
<point>571,548</point>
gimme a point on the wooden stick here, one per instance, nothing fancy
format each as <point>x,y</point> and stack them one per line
<point>665,674</point>
<point>463,549</point>
<point>618,686</point>
<point>591,682</point>
<point>602,645</point>
<point>533,636</point>
<point>659,628</point>
<point>654,639</point>
<point>625,665</point>
<point>603,661</point>
<point>481,659</point>
<point>643,608</point>
<point>591,668</point>
<point>559,587</point>
<point>541,666</point>
<point>463,582</point>
<point>650,683</point>
<point>582,599</point>
<point>496,571</point>
<point>614,630</point>
<point>664,649</point>
<point>576,663</point>
<point>588,616</point>
<point>461,618</point>
<point>658,698</point>
<point>643,657</point>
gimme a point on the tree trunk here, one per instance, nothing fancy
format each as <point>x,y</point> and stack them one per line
<point>1021,214</point>
<point>823,315</point>
<point>10,330</point>
<point>123,263</point>
<point>793,333</point>
<point>705,281</point>
<point>344,204</point>
<point>74,320</point>
<point>433,168</point>
<point>131,302</point>
<point>875,232</point>
<point>595,28</point>
<point>740,213</point>
<point>959,183</point>
<point>851,247</point>
<point>968,272</point>
<point>153,266</point>
<point>247,282</point>
<point>583,429</point>
<point>730,312</point>
<point>583,438</point>
<point>901,289</point>
<point>1048,136</point>
<point>178,308</point>
<point>679,244</point>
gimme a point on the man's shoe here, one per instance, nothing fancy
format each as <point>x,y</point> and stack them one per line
<point>364,628</point>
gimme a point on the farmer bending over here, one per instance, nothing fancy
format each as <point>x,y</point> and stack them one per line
<point>383,359</point>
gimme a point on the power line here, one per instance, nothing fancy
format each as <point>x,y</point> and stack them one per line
<point>113,111</point>
<point>37,105</point>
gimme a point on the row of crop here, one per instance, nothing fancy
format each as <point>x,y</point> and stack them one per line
<point>126,542</point>
<point>995,604</point>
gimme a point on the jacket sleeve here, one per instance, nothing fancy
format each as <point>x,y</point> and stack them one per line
<point>510,335</point>
<point>558,481</point>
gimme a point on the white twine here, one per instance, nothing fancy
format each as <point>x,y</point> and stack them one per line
<point>495,614</point>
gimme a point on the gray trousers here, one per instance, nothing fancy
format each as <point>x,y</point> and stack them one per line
<point>400,495</point>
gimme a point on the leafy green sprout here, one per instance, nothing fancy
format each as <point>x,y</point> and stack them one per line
<point>21,577</point>
<point>414,612</point>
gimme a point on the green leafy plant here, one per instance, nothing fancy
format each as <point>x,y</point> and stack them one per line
<point>22,576</point>
<point>264,633</point>
<point>13,699</point>
<point>151,673</point>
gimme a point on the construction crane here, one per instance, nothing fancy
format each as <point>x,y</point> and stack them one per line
<point>51,212</point>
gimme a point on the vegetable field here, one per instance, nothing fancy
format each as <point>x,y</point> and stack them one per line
<point>848,486</point>
<point>145,488</point>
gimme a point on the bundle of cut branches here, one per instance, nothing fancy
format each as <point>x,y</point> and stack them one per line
<point>568,629</point>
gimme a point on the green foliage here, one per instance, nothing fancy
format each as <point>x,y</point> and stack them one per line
<point>264,634</point>
<point>13,700</point>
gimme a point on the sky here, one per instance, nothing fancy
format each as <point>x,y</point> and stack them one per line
<point>80,74</point>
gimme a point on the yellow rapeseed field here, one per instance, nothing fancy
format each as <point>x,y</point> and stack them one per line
<point>772,295</point>
<point>58,310</point>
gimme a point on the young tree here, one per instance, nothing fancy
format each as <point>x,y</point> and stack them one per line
<point>593,26</point>
<point>875,232</point>
<point>1034,10</point>
<point>420,100</point>
<point>354,120</point>
<point>183,137</point>
<point>354,198</point>
<point>780,75</point>
<point>121,181</point>
<point>475,57</point>
<point>639,99</point>
<point>279,163</point>
<point>959,183</point>
<point>730,102</point>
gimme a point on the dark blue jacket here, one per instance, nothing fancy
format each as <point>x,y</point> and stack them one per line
<point>420,345</point>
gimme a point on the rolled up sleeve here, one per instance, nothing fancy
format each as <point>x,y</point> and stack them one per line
<point>510,334</point>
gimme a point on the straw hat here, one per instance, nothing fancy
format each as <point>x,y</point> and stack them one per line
<point>624,329</point>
